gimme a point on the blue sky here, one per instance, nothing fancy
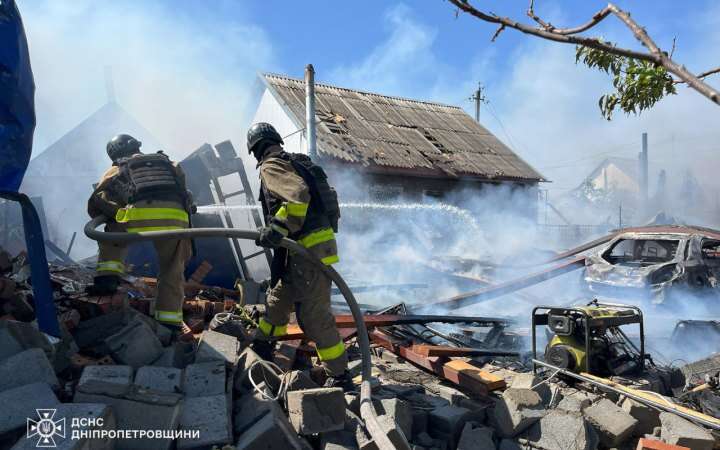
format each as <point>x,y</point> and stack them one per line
<point>187,69</point>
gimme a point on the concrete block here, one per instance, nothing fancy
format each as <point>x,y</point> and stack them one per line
<point>108,380</point>
<point>613,424</point>
<point>447,422</point>
<point>244,362</point>
<point>316,410</point>
<point>20,403</point>
<point>178,355</point>
<point>298,380</point>
<point>9,346</point>
<point>135,345</point>
<point>26,367</point>
<point>250,408</point>
<point>204,379</point>
<point>678,431</point>
<point>653,444</point>
<point>529,380</point>
<point>648,418</point>
<point>216,346</point>
<point>338,440</point>
<point>92,332</point>
<point>70,411</point>
<point>419,422</point>
<point>476,436</point>
<point>161,379</point>
<point>271,432</point>
<point>157,413</point>
<point>559,430</point>
<point>211,416</point>
<point>400,411</point>
<point>517,410</point>
<point>396,436</point>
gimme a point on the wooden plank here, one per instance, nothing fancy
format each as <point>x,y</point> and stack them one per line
<point>464,369</point>
<point>442,350</point>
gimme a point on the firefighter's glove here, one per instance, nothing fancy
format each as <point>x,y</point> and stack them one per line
<point>269,238</point>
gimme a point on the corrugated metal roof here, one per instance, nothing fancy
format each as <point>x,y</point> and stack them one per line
<point>398,133</point>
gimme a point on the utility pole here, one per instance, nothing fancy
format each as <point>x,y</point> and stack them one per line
<point>643,172</point>
<point>478,98</point>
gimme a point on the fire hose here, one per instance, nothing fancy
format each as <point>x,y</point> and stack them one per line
<point>367,411</point>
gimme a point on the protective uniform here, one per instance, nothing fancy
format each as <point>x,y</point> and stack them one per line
<point>146,193</point>
<point>293,206</point>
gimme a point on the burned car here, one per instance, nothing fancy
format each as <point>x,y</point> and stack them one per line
<point>656,263</point>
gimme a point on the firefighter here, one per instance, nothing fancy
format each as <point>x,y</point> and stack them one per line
<point>297,203</point>
<point>143,192</point>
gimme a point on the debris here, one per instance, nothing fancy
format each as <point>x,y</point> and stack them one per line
<point>21,403</point>
<point>204,379</point>
<point>652,444</point>
<point>678,431</point>
<point>216,346</point>
<point>316,410</point>
<point>106,380</point>
<point>647,418</point>
<point>613,424</point>
<point>561,430</point>
<point>210,416</point>
<point>135,345</point>
<point>272,431</point>
<point>29,366</point>
<point>161,379</point>
<point>476,436</point>
<point>517,410</point>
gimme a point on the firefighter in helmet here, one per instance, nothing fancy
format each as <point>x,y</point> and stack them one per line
<point>297,203</point>
<point>143,192</point>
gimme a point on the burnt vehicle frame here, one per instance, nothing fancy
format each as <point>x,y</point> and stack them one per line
<point>690,262</point>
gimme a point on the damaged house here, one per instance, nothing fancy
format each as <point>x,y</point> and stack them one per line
<point>417,150</point>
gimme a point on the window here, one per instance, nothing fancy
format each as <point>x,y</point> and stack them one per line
<point>642,251</point>
<point>711,251</point>
<point>385,192</point>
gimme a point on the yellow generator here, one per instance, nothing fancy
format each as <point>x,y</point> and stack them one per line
<point>590,338</point>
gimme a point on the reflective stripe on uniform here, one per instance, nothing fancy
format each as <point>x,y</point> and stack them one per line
<point>141,229</point>
<point>297,209</point>
<point>282,213</point>
<point>175,317</point>
<point>130,214</point>
<point>317,237</point>
<point>328,260</point>
<point>269,329</point>
<point>110,266</point>
<point>279,228</point>
<point>330,353</point>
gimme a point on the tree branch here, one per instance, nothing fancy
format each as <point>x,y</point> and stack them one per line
<point>568,36</point>
<point>596,19</point>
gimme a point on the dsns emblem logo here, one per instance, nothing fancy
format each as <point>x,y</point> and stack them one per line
<point>46,428</point>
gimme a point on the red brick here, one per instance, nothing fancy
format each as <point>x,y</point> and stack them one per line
<point>652,444</point>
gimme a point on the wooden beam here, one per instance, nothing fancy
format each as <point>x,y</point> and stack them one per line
<point>456,371</point>
<point>442,350</point>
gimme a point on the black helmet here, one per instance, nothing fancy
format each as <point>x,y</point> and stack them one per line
<point>122,145</point>
<point>262,131</point>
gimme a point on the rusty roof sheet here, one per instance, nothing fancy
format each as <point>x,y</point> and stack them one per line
<point>398,133</point>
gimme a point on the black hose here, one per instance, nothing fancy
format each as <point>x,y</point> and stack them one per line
<point>367,411</point>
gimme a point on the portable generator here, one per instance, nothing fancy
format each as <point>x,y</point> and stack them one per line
<point>590,338</point>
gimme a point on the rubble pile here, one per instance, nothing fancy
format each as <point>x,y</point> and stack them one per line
<point>120,380</point>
